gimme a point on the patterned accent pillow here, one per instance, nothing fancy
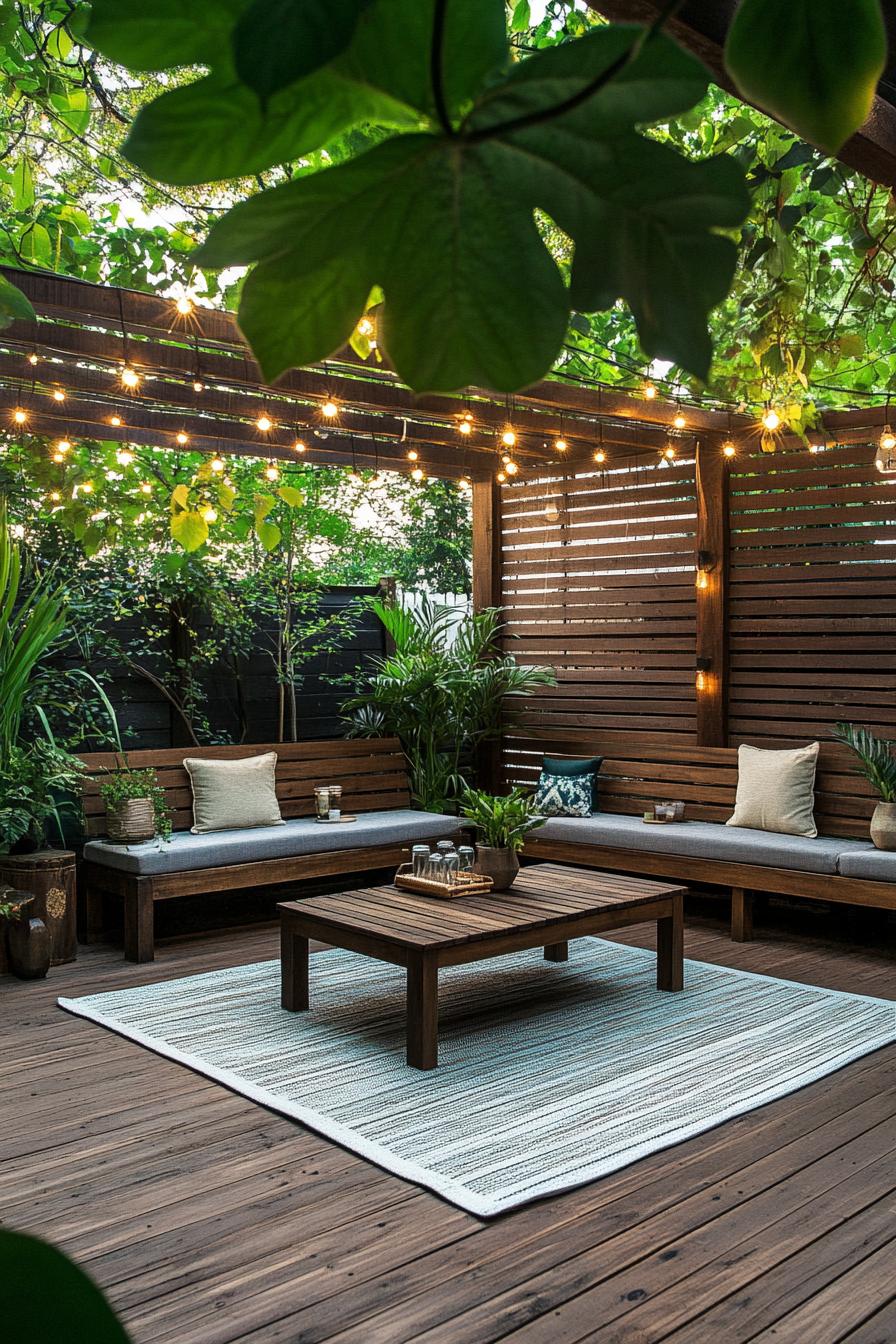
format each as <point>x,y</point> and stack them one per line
<point>564,795</point>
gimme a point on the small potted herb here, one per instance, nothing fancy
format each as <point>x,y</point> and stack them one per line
<point>878,764</point>
<point>502,822</point>
<point>135,806</point>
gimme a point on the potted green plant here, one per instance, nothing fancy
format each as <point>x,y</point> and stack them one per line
<point>34,782</point>
<point>135,806</point>
<point>502,822</point>
<point>878,764</point>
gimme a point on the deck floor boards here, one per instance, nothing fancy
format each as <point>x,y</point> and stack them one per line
<point>208,1220</point>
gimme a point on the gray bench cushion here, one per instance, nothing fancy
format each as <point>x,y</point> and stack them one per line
<point>698,840</point>
<point>875,865</point>
<point>218,848</point>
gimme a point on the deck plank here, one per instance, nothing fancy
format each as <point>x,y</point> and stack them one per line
<point>210,1220</point>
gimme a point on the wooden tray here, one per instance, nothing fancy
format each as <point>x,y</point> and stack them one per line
<point>467,884</point>
<point>335,821</point>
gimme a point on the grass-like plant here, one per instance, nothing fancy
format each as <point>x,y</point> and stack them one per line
<point>502,821</point>
<point>876,759</point>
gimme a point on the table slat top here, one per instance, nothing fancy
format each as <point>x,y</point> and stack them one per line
<point>543,895</point>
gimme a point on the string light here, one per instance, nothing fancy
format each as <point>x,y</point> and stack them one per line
<point>729,448</point>
<point>125,457</point>
<point>771,420</point>
<point>551,512</point>
<point>217,464</point>
<point>184,306</point>
<point>464,485</point>
<point>54,496</point>
<point>669,452</point>
<point>508,438</point>
<point>33,358</point>
<point>198,385</point>
<point>887,439</point>
<point>299,447</point>
<point>412,455</point>
<point>183,438</point>
<point>129,376</point>
<point>465,424</point>
<point>600,455</point>
<point>20,416</point>
<point>115,420</point>
<point>417,475</point>
<point>58,456</point>
<point>210,515</point>
<point>145,488</point>
<point>87,488</point>
<point>649,392</point>
<point>272,472</point>
<point>679,422</point>
<point>329,410</point>
<point>365,327</point>
<point>264,423</point>
<point>64,446</point>
<point>561,445</point>
<point>511,468</point>
<point>59,395</point>
<point>701,680</point>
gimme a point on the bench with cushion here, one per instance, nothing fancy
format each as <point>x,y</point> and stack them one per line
<point>373,775</point>
<point>841,864</point>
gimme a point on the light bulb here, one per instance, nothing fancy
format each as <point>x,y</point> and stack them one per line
<point>32,358</point>
<point>700,680</point>
<point>184,306</point>
<point>272,471</point>
<point>502,476</point>
<point>508,438</point>
<point>771,420</point>
<point>465,427</point>
<point>511,468</point>
<point>464,486</point>
<point>679,422</point>
<point>649,392</point>
<point>561,445</point>
<point>20,416</point>
<point>551,512</point>
<point>412,455</point>
<point>125,457</point>
<point>365,326</point>
<point>702,580</point>
<point>264,423</point>
<point>183,438</point>
<point>729,449</point>
<point>329,409</point>
<point>115,420</point>
<point>669,451</point>
<point>210,515</point>
<point>64,446</point>
<point>58,456</point>
<point>129,377</point>
<point>888,439</point>
<point>217,464</point>
<point>505,458</point>
<point>299,447</point>
<point>600,455</point>
<point>55,496</point>
<point>198,386</point>
<point>145,488</point>
<point>87,488</point>
<point>59,395</point>
<point>417,474</point>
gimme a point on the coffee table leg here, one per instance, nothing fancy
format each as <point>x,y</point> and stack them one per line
<point>293,971</point>
<point>557,952</point>
<point>670,948</point>
<point>423,1011</point>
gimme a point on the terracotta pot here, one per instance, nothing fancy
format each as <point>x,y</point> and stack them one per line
<point>131,821</point>
<point>27,943</point>
<point>883,826</point>
<point>501,865</point>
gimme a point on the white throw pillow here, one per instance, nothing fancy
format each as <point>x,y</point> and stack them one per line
<point>776,790</point>
<point>228,795</point>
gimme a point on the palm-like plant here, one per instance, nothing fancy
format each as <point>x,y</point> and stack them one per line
<point>876,760</point>
<point>441,692</point>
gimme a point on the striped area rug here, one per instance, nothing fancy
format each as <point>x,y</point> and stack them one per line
<point>549,1075</point>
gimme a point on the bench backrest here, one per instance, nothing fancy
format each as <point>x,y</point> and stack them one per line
<point>372,771</point>
<point>636,774</point>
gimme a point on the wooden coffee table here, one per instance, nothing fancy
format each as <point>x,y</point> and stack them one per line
<point>547,906</point>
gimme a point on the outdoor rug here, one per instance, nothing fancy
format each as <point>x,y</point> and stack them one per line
<point>550,1074</point>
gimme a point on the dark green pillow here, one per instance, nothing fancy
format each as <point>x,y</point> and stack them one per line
<point>558,765</point>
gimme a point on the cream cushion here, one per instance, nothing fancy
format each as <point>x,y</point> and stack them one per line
<point>232,794</point>
<point>776,790</point>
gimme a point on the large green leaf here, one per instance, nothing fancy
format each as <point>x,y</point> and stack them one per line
<point>189,529</point>
<point>47,1299</point>
<point>159,34</point>
<point>276,42</point>
<point>13,304</point>
<point>813,64</point>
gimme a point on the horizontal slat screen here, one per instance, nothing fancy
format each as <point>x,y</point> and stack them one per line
<point>598,583</point>
<point>812,596</point>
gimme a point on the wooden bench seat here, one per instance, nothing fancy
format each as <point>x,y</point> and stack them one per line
<point>636,773</point>
<point>373,775</point>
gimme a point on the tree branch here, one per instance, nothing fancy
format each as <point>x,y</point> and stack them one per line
<point>436,70</point>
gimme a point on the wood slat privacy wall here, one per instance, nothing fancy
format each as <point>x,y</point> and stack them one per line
<point>597,578</point>
<point>598,582</point>
<point>812,596</point>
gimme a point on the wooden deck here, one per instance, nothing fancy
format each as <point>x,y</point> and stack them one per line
<point>208,1219</point>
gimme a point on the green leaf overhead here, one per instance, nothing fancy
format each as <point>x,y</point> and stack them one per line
<point>160,34</point>
<point>277,42</point>
<point>816,68</point>
<point>13,304</point>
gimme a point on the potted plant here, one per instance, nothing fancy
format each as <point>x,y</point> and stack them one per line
<point>135,806</point>
<point>878,764</point>
<point>503,822</point>
<point>32,778</point>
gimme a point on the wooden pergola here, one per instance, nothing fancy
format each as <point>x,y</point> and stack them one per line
<point>583,555</point>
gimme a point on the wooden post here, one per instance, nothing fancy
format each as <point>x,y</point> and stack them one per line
<point>712,600</point>
<point>487,593</point>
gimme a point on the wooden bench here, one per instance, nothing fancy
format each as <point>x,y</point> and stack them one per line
<point>372,772</point>
<point>636,773</point>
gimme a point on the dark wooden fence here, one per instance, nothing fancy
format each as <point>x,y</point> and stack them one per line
<point>241,702</point>
<point>797,615</point>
